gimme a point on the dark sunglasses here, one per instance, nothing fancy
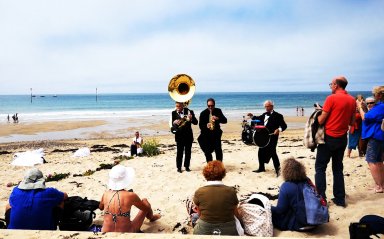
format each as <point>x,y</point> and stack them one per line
<point>211,105</point>
<point>370,103</point>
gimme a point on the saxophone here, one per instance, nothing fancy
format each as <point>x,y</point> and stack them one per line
<point>184,120</point>
<point>211,121</point>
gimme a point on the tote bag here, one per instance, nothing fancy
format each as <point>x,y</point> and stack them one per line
<point>256,219</point>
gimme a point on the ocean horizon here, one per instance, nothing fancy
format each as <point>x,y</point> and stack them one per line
<point>56,107</point>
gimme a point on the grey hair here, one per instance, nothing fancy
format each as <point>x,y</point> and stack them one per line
<point>369,99</point>
<point>268,102</point>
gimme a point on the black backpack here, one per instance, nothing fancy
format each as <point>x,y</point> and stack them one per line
<point>78,214</point>
<point>367,226</point>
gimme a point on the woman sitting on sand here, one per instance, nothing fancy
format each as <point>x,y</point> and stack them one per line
<point>284,215</point>
<point>117,203</point>
<point>215,203</point>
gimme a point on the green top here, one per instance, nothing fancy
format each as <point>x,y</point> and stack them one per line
<point>217,203</point>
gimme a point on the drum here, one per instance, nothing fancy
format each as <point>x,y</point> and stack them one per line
<point>261,136</point>
<point>247,135</point>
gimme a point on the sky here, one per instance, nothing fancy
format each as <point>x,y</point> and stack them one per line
<point>116,46</point>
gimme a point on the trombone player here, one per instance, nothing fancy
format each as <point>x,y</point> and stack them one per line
<point>210,134</point>
<point>182,119</point>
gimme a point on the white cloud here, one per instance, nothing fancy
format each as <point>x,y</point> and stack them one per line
<point>137,46</point>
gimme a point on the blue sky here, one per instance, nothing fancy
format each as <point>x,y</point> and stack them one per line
<point>138,46</point>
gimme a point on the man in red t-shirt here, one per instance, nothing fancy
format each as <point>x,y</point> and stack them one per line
<point>338,113</point>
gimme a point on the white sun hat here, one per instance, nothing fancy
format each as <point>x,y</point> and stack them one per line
<point>120,177</point>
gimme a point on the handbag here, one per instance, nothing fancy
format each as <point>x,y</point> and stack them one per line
<point>256,219</point>
<point>316,209</point>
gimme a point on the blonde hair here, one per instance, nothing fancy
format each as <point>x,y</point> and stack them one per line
<point>379,90</point>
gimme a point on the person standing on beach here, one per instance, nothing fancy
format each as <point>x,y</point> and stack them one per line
<point>210,132</point>
<point>182,119</point>
<point>373,133</point>
<point>337,114</point>
<point>275,124</point>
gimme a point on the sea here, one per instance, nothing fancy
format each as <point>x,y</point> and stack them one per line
<point>124,113</point>
<point>234,105</point>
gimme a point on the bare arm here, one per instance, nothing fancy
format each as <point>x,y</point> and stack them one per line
<point>101,205</point>
<point>61,205</point>
<point>323,117</point>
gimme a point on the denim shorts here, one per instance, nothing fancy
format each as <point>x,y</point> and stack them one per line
<point>375,151</point>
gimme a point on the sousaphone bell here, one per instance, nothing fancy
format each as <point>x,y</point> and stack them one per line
<point>181,88</point>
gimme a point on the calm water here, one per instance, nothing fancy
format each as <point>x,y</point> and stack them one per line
<point>64,107</point>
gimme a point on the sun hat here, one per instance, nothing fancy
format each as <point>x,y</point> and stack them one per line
<point>33,179</point>
<point>120,177</point>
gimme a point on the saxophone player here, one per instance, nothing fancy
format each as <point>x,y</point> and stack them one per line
<point>182,118</point>
<point>210,132</point>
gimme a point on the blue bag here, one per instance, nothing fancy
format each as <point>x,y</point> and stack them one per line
<point>316,209</point>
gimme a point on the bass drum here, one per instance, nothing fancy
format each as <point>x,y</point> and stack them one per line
<point>247,135</point>
<point>261,136</point>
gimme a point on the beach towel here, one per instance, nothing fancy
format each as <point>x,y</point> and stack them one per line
<point>29,158</point>
<point>82,152</point>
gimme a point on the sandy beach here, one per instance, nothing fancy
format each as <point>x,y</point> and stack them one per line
<point>167,190</point>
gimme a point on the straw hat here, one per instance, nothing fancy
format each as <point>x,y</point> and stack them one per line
<point>120,177</point>
<point>33,179</point>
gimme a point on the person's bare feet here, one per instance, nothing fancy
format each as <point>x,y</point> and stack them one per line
<point>155,217</point>
<point>378,189</point>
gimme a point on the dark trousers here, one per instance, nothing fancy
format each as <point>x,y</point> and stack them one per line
<point>133,149</point>
<point>333,148</point>
<point>268,152</point>
<point>215,146</point>
<point>183,146</point>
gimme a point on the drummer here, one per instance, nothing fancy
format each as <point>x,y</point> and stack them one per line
<point>275,124</point>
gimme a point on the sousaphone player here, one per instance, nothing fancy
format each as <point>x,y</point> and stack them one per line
<point>181,89</point>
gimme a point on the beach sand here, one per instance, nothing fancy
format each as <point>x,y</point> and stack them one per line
<point>167,190</point>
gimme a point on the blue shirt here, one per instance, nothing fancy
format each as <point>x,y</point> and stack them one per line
<point>284,215</point>
<point>372,123</point>
<point>32,209</point>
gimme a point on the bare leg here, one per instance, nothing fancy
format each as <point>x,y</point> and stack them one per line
<point>139,219</point>
<point>377,170</point>
<point>349,153</point>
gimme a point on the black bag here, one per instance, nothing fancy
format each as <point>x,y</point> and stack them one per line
<point>78,214</point>
<point>358,230</point>
<point>3,224</point>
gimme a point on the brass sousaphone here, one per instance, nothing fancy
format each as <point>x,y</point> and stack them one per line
<point>181,89</point>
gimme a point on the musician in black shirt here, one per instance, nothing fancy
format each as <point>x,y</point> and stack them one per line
<point>182,118</point>
<point>210,135</point>
<point>275,124</point>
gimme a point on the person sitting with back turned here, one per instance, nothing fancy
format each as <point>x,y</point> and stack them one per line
<point>284,214</point>
<point>117,203</point>
<point>32,205</point>
<point>215,203</point>
<point>136,146</point>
